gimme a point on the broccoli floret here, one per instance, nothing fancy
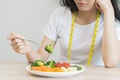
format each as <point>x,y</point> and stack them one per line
<point>37,63</point>
<point>49,48</point>
<point>50,64</point>
<point>78,67</point>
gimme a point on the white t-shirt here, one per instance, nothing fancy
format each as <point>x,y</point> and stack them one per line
<point>59,28</point>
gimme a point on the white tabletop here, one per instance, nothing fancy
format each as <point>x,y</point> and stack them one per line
<point>17,71</point>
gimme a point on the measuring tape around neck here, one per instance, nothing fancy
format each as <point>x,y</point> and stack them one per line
<point>93,37</point>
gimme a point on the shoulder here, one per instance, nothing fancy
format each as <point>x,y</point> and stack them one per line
<point>60,15</point>
<point>61,11</point>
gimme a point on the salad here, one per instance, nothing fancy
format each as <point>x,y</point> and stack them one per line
<point>52,66</point>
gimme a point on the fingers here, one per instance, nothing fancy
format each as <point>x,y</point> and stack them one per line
<point>17,45</point>
<point>19,49</point>
<point>98,7</point>
<point>13,36</point>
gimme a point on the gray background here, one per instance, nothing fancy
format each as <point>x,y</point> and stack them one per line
<point>26,17</point>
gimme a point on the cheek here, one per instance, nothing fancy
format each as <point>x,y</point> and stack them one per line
<point>92,3</point>
<point>75,1</point>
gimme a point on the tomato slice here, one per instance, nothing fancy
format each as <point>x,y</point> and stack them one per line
<point>58,64</point>
<point>65,64</point>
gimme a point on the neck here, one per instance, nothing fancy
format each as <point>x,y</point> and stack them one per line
<point>86,17</point>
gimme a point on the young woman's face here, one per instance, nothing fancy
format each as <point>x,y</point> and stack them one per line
<point>85,5</point>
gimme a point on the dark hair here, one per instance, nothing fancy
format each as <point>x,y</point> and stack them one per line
<point>72,6</point>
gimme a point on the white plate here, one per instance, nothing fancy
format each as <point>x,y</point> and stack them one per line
<point>54,74</point>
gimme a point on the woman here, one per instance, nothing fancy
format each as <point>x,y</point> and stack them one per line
<point>85,35</point>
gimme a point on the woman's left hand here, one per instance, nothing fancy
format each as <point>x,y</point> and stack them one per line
<point>105,6</point>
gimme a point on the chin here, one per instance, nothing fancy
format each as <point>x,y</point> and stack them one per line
<point>84,10</point>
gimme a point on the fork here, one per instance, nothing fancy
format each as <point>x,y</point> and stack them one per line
<point>47,48</point>
<point>29,41</point>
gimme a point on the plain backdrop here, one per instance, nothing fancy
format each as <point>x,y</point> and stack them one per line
<point>26,17</point>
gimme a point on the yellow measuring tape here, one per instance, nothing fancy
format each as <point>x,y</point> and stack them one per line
<point>93,37</point>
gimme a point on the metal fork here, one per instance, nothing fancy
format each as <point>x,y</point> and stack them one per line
<point>29,41</point>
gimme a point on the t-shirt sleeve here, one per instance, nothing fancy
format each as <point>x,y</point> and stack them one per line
<point>117,24</point>
<point>50,30</point>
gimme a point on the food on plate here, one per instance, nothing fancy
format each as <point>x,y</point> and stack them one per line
<point>63,64</point>
<point>37,63</point>
<point>52,66</point>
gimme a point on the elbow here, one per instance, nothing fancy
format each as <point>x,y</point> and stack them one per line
<point>110,64</point>
<point>30,62</point>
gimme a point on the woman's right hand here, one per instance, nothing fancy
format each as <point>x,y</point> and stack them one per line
<point>19,45</point>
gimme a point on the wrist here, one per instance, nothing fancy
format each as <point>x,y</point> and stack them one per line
<point>109,11</point>
<point>109,15</point>
<point>30,52</point>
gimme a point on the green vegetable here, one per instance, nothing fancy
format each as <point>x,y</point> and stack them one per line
<point>50,64</point>
<point>77,66</point>
<point>37,63</point>
<point>49,48</point>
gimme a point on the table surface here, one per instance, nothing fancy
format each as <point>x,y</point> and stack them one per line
<point>17,71</point>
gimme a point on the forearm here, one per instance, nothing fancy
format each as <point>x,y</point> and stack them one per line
<point>32,56</point>
<point>41,53</point>
<point>110,46</point>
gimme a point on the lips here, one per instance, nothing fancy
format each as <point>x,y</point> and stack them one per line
<point>82,4</point>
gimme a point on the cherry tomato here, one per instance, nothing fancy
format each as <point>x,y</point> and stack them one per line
<point>65,64</point>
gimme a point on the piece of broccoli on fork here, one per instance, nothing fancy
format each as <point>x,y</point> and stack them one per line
<point>49,48</point>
